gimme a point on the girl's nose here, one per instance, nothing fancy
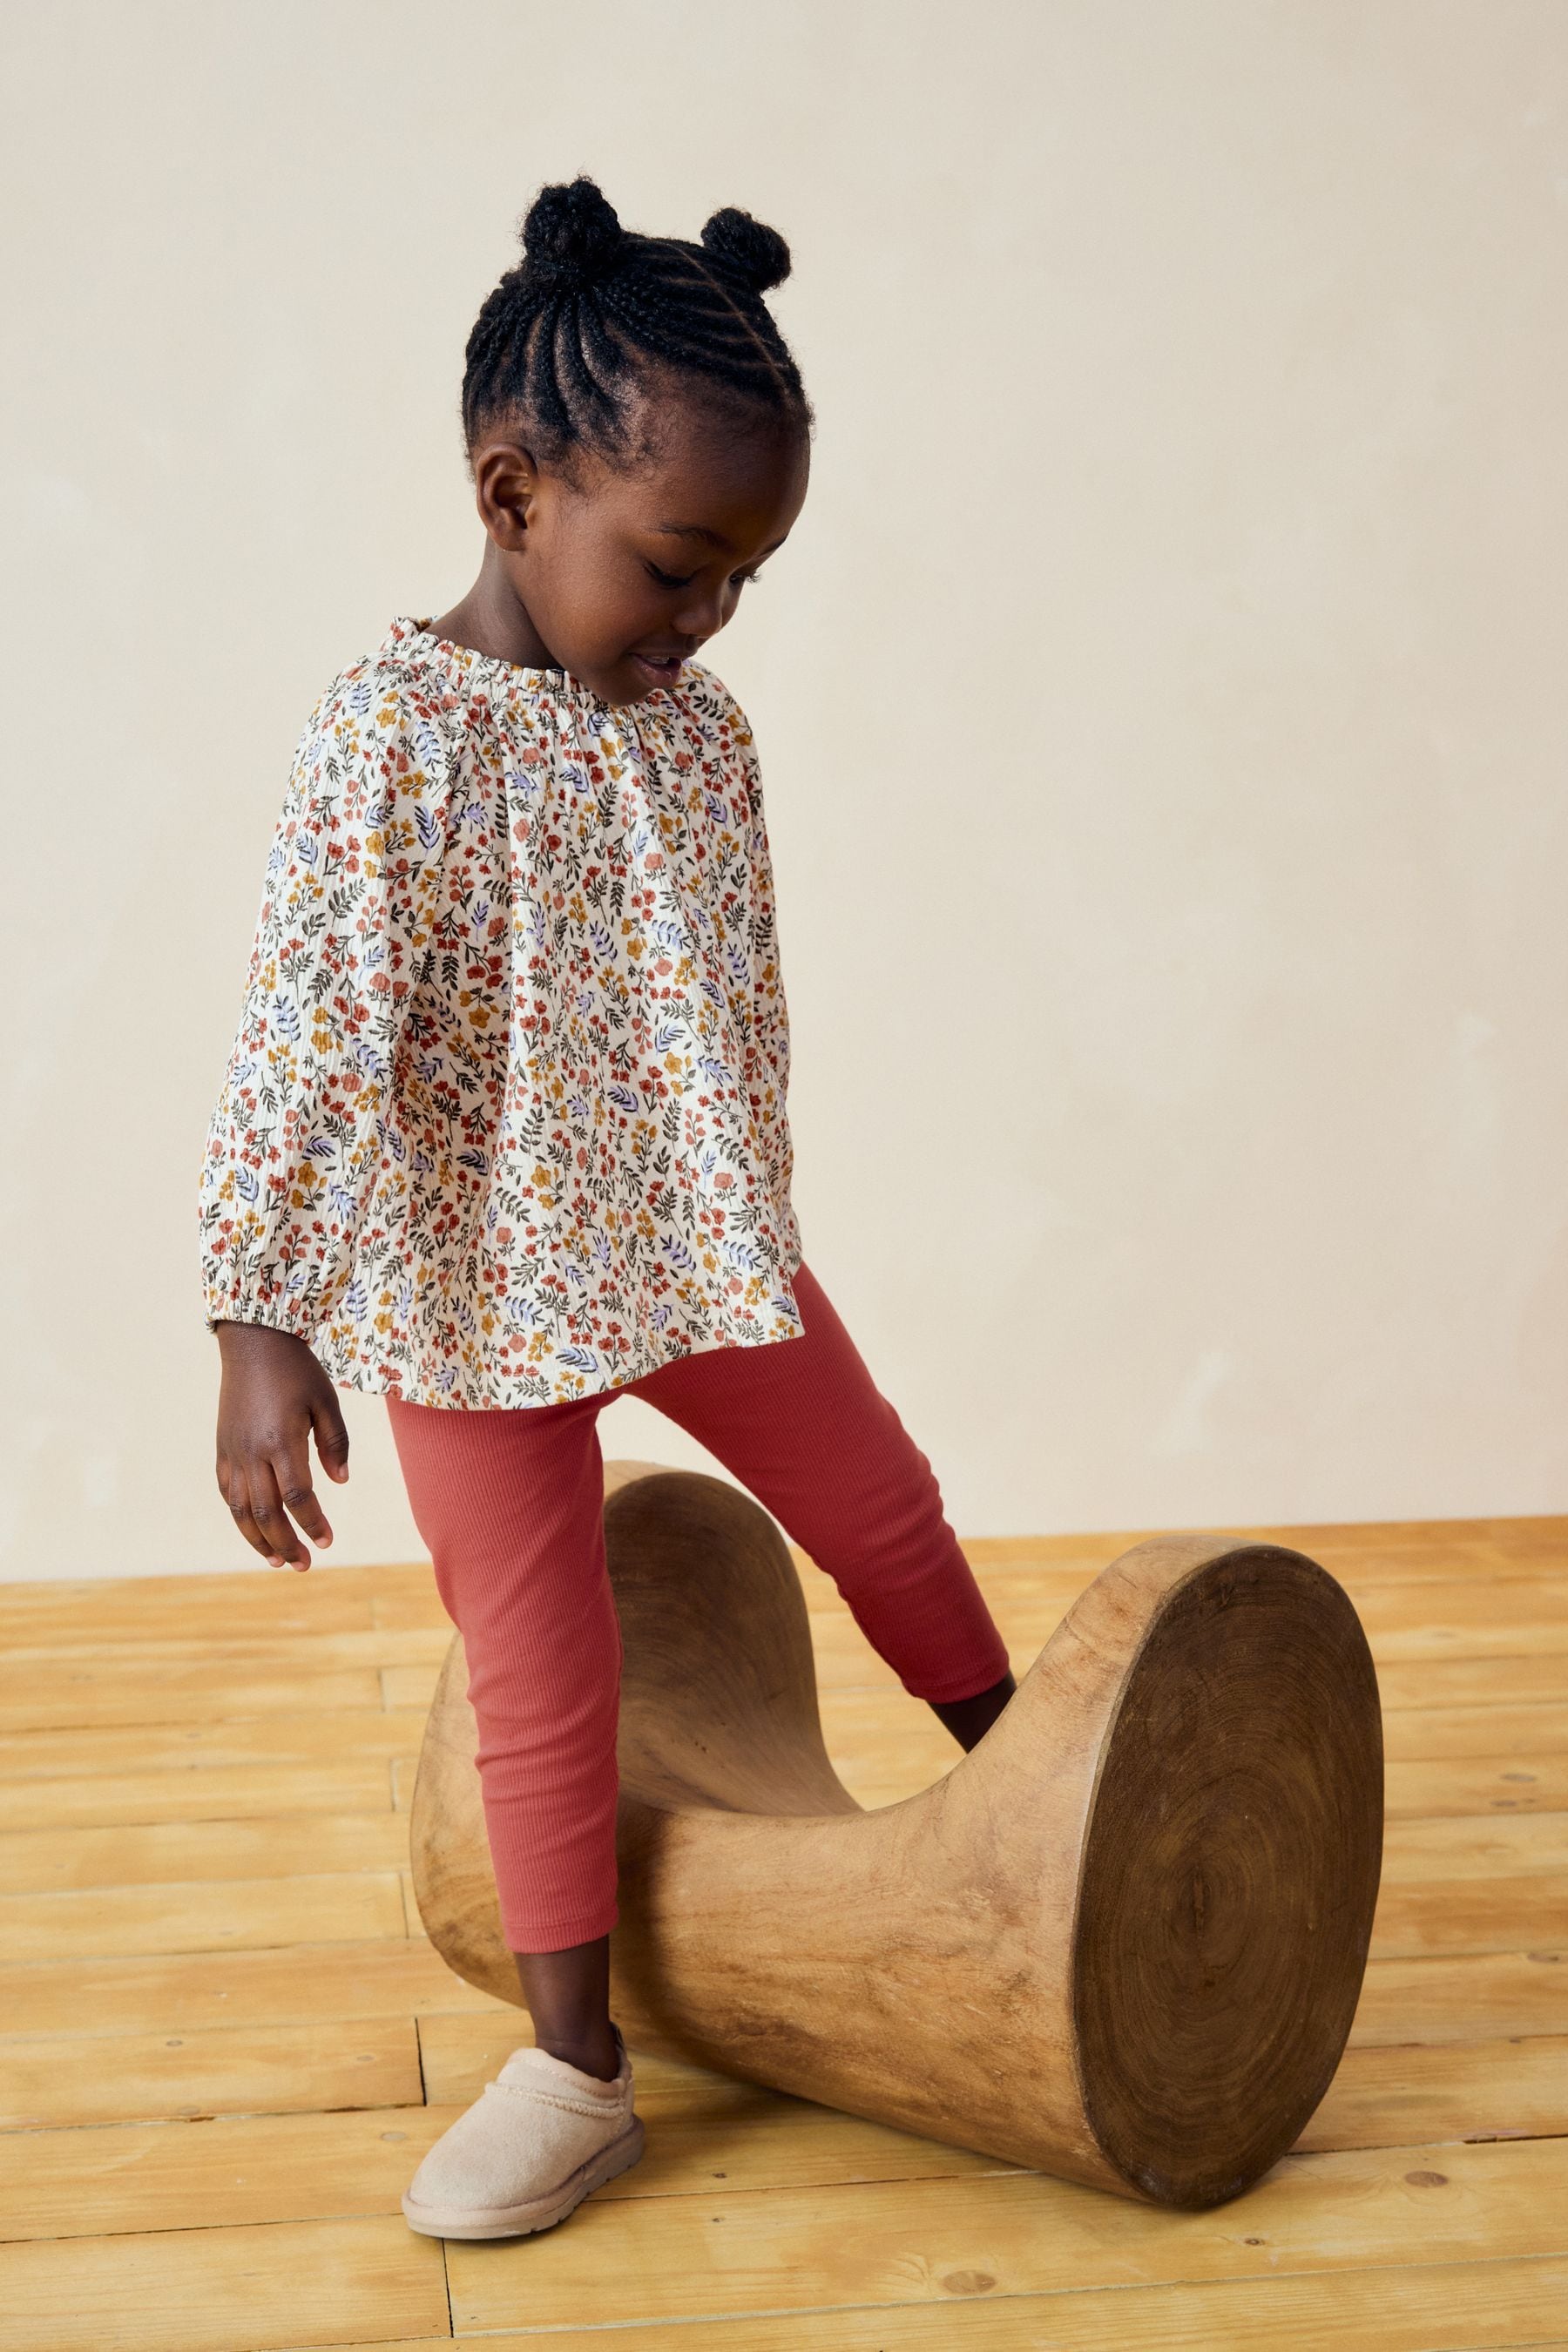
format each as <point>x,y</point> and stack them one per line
<point>702,615</point>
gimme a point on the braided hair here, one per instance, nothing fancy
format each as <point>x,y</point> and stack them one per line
<point>569,336</point>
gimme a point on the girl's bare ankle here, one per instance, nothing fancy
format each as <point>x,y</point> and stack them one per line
<point>567,1994</point>
<point>594,2053</point>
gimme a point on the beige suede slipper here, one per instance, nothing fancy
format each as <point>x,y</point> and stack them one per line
<point>533,2144</point>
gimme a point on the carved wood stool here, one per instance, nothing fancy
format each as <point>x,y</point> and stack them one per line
<point>1122,1941</point>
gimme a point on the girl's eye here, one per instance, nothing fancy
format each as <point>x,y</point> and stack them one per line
<point>675,579</point>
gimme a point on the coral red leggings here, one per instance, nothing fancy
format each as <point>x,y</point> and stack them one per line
<point>511,1502</point>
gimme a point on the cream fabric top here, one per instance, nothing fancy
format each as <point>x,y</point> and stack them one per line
<point>505,1120</point>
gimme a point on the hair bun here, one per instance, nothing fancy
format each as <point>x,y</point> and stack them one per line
<point>756,254</point>
<point>571,235</point>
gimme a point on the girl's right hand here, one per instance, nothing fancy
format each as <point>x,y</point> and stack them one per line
<point>274,1394</point>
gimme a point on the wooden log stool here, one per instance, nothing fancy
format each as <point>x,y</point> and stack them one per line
<point>1122,1941</point>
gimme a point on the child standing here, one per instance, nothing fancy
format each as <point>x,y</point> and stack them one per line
<point>504,1134</point>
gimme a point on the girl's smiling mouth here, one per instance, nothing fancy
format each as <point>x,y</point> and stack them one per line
<point>663,668</point>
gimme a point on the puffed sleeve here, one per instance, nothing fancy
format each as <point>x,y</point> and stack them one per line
<point>344,937</point>
<point>768,1059</point>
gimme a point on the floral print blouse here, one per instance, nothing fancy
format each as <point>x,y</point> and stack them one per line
<point>505,1119</point>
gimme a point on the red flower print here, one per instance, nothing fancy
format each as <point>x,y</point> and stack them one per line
<point>474,985</point>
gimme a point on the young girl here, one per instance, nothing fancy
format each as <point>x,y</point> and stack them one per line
<point>504,1134</point>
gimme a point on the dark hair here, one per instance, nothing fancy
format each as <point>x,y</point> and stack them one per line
<point>592,309</point>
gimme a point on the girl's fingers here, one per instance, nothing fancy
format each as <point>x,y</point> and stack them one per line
<point>280,1543</point>
<point>292,1468</point>
<point>331,1436</point>
<point>231,1486</point>
<point>236,1494</point>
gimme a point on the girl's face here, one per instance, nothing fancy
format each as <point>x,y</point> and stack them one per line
<point>619,574</point>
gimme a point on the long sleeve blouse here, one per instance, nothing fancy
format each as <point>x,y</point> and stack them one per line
<point>505,1119</point>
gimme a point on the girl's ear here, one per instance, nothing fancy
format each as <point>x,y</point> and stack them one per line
<point>506,482</point>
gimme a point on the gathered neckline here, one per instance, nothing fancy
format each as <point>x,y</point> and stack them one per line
<point>466,662</point>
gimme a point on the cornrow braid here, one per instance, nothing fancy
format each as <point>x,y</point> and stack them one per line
<point>592,308</point>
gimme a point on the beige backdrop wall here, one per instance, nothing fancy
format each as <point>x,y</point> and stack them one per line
<point>1162,702</point>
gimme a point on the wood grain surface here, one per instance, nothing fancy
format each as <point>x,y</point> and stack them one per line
<point>209,2141</point>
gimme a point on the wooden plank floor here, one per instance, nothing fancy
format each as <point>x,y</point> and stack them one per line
<point>225,2043</point>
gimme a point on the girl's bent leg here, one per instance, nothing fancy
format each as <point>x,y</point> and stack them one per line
<point>511,1505</point>
<point>804,1427</point>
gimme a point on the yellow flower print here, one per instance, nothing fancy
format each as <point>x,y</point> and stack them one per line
<point>470,952</point>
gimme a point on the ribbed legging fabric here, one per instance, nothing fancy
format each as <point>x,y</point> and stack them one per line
<point>510,1503</point>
